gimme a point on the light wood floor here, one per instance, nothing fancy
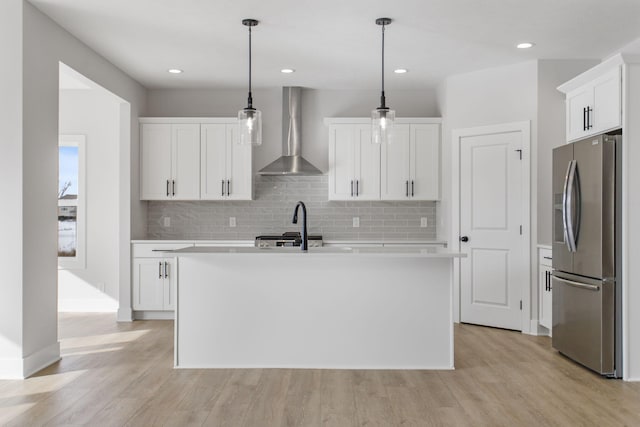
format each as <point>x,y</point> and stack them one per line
<point>121,374</point>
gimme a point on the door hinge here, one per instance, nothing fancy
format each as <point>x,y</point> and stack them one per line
<point>520,153</point>
<point>520,304</point>
<point>521,230</point>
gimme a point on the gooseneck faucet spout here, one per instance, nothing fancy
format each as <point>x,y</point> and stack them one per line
<point>305,239</point>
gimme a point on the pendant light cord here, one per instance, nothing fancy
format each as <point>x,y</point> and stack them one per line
<point>250,100</point>
<point>382,97</point>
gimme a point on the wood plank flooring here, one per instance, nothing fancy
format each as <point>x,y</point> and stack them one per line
<point>121,374</point>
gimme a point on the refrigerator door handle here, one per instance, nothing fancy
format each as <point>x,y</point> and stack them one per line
<point>568,201</point>
<point>578,284</point>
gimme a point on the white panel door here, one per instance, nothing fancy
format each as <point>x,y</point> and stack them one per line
<point>185,167</point>
<point>239,169</point>
<point>155,161</point>
<point>425,162</point>
<point>607,106</point>
<point>148,284</point>
<point>395,173</point>
<point>341,162</point>
<point>491,216</point>
<point>367,165</point>
<point>213,158</point>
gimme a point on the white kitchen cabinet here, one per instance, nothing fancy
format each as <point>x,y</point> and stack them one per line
<point>354,163</point>
<point>170,161</point>
<point>154,276</point>
<point>411,163</point>
<point>226,168</point>
<point>596,106</point>
<point>545,302</point>
<point>153,284</point>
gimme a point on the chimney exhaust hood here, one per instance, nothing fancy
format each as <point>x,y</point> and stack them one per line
<point>291,162</point>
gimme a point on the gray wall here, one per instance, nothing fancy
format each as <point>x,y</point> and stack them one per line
<point>272,209</point>
<point>209,220</point>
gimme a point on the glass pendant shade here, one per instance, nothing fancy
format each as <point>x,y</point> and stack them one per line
<point>382,120</point>
<point>250,121</point>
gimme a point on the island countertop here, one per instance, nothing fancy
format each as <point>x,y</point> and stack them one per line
<point>402,252</point>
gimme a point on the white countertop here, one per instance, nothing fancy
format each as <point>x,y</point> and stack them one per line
<point>326,242</point>
<point>407,252</point>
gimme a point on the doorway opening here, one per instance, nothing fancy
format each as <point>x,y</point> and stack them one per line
<point>93,129</point>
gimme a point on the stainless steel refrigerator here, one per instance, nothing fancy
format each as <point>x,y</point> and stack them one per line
<point>586,282</point>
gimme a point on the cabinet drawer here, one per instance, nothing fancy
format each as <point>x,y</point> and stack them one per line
<point>545,257</point>
<point>154,250</point>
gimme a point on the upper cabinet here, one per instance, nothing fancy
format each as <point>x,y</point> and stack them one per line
<point>170,161</point>
<point>407,168</point>
<point>193,159</point>
<point>596,105</point>
<point>411,163</point>
<point>354,163</point>
<point>225,164</point>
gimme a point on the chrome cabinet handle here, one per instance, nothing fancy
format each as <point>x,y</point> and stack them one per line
<point>166,269</point>
<point>222,188</point>
<point>228,187</point>
<point>351,188</point>
<point>173,187</point>
<point>167,188</point>
<point>578,284</point>
<point>160,270</point>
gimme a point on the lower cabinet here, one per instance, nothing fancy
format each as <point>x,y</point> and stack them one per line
<point>154,284</point>
<point>154,277</point>
<point>545,303</point>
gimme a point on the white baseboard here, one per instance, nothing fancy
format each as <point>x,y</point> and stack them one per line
<point>153,315</point>
<point>74,305</point>
<point>125,314</point>
<point>21,368</point>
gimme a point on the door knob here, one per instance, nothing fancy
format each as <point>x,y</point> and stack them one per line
<point>464,239</point>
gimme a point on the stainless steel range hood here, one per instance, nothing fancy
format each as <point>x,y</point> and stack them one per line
<point>291,162</point>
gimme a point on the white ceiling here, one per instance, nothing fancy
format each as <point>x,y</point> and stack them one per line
<point>335,44</point>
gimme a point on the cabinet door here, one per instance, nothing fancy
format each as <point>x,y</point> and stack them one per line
<point>213,158</point>
<point>148,284</point>
<point>341,162</point>
<point>577,101</point>
<point>607,105</point>
<point>544,312</point>
<point>185,165</point>
<point>395,165</point>
<point>366,164</point>
<point>155,161</point>
<point>425,162</point>
<point>169,283</point>
<point>239,167</point>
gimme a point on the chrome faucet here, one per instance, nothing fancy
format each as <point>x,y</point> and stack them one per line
<point>305,239</point>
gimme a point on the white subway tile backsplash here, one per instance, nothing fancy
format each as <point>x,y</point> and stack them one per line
<point>272,209</point>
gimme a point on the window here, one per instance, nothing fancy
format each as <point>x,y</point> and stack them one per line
<point>71,202</point>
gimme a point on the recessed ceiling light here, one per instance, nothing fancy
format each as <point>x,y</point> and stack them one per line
<point>174,70</point>
<point>525,45</point>
<point>287,70</point>
<point>400,70</point>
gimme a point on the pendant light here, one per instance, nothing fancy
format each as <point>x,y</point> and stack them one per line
<point>250,119</point>
<point>382,118</point>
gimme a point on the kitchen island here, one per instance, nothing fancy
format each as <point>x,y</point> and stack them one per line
<point>335,308</point>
